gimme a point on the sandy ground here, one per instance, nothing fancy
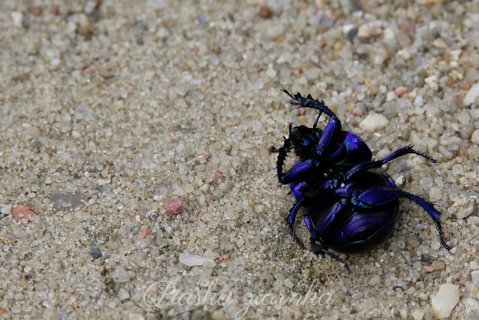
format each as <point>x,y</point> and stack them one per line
<point>114,114</point>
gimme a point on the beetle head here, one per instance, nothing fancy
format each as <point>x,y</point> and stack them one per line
<point>304,140</point>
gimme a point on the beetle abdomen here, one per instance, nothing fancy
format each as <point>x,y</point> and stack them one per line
<point>363,228</point>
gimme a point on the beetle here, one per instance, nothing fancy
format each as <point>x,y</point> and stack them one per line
<point>346,207</point>
<point>320,152</point>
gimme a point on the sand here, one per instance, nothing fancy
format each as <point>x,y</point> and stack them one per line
<point>136,135</point>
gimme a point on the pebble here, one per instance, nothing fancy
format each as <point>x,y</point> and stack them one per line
<point>373,122</point>
<point>475,137</point>
<point>123,295</point>
<point>475,277</point>
<point>156,4</point>
<point>435,194</point>
<point>271,72</point>
<point>5,210</point>
<point>417,314</point>
<point>374,281</point>
<point>173,206</point>
<point>400,91</point>
<point>463,208</point>
<point>418,101</point>
<point>370,30</point>
<point>350,31</point>
<point>404,54</point>
<point>95,252</point>
<point>135,316</point>
<point>22,212</point>
<point>472,308</point>
<point>432,82</point>
<point>439,43</point>
<point>17,18</point>
<point>218,315</point>
<point>193,260</point>
<point>273,31</point>
<point>84,27</point>
<point>119,275</point>
<point>435,266</point>
<point>181,91</point>
<point>265,12</point>
<point>144,232</point>
<point>471,95</point>
<point>445,300</point>
<point>391,96</point>
<point>426,258</point>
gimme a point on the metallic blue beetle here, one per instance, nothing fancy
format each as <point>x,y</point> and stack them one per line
<point>320,152</point>
<point>345,206</point>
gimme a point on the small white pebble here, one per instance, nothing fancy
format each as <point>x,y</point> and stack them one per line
<point>404,54</point>
<point>445,300</point>
<point>471,95</point>
<point>475,277</point>
<point>463,208</point>
<point>417,314</point>
<point>135,316</point>
<point>193,260</point>
<point>120,275</point>
<point>347,28</point>
<point>435,194</point>
<point>391,96</point>
<point>418,102</point>
<point>370,29</point>
<point>181,91</point>
<point>472,308</point>
<point>475,137</point>
<point>271,72</point>
<point>123,295</point>
<point>17,18</point>
<point>373,122</point>
<point>432,82</point>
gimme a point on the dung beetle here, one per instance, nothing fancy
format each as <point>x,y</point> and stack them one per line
<point>345,207</point>
<point>320,152</point>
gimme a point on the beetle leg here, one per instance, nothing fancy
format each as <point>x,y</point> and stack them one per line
<point>388,178</point>
<point>376,197</point>
<point>290,219</point>
<point>322,250</point>
<point>435,215</point>
<point>315,124</point>
<point>381,196</point>
<point>330,134</point>
<point>309,102</point>
<point>394,155</point>
<point>328,219</point>
<point>298,172</point>
<point>282,153</point>
<point>299,189</point>
<point>307,220</point>
<point>333,128</point>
